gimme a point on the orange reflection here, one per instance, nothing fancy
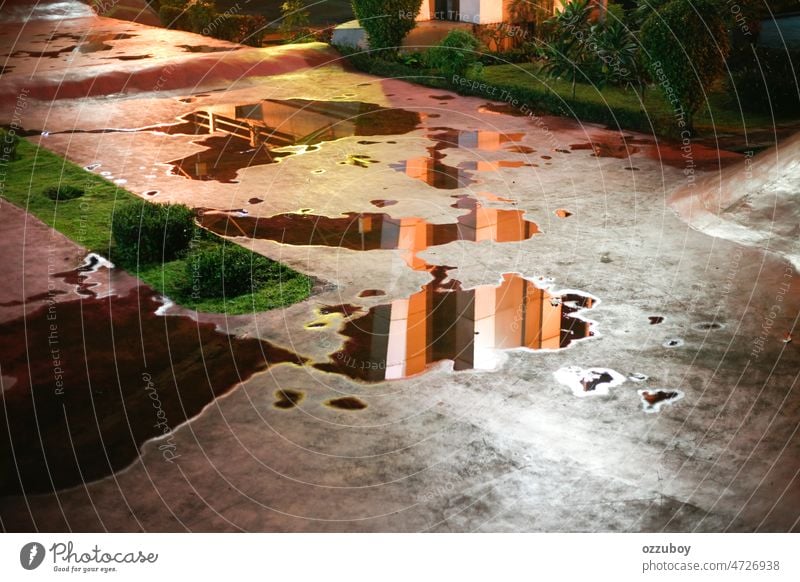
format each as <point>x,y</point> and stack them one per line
<point>445,322</point>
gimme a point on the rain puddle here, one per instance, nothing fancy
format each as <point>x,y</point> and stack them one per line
<point>88,391</point>
<point>468,327</point>
<point>588,381</point>
<point>85,45</point>
<point>265,131</point>
<point>434,172</point>
<point>287,399</point>
<point>347,403</point>
<point>654,400</point>
<point>207,49</point>
<point>368,231</point>
<point>383,203</point>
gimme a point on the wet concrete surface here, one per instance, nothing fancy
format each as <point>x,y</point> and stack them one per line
<point>93,371</point>
<point>501,448</point>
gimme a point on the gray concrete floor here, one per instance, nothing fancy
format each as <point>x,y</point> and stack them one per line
<point>503,450</point>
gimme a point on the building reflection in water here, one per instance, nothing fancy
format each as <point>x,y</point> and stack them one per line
<point>375,230</point>
<point>260,133</point>
<point>434,172</point>
<point>445,322</point>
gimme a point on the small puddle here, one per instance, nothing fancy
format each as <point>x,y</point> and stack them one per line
<point>383,203</point>
<point>588,381</point>
<point>607,149</point>
<point>654,400</point>
<point>372,293</point>
<point>655,319</point>
<point>129,57</point>
<point>189,48</point>
<point>468,327</point>
<point>287,399</point>
<point>502,109</point>
<point>347,403</point>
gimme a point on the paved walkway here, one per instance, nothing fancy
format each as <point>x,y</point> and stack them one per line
<point>503,449</point>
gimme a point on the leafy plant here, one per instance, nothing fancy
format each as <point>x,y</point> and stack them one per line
<point>455,55</point>
<point>386,22</point>
<point>567,52</point>
<point>146,233</point>
<point>620,55</point>
<point>63,192</point>
<point>201,14</point>
<point>229,270</point>
<point>687,44</point>
<point>294,20</point>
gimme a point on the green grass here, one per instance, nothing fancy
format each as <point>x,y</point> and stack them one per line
<point>613,106</point>
<point>528,81</point>
<point>87,221</point>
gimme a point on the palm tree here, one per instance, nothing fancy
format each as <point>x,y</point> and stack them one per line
<point>567,50</point>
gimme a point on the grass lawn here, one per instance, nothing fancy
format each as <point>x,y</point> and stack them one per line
<point>718,115</point>
<point>87,221</point>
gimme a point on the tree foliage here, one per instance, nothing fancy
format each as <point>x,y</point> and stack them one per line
<point>687,44</point>
<point>146,233</point>
<point>386,22</point>
<point>294,20</point>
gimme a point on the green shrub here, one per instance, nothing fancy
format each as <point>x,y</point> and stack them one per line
<point>229,270</point>
<point>174,17</point>
<point>294,20</point>
<point>8,145</point>
<point>457,54</point>
<point>63,192</point>
<point>386,22</point>
<point>201,13</point>
<point>146,233</point>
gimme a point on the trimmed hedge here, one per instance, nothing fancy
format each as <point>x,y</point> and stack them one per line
<point>146,233</point>
<point>63,192</point>
<point>174,17</point>
<point>229,270</point>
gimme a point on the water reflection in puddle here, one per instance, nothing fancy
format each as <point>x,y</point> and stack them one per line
<point>287,399</point>
<point>434,172</point>
<point>445,322</point>
<point>654,400</point>
<point>372,230</point>
<point>265,131</point>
